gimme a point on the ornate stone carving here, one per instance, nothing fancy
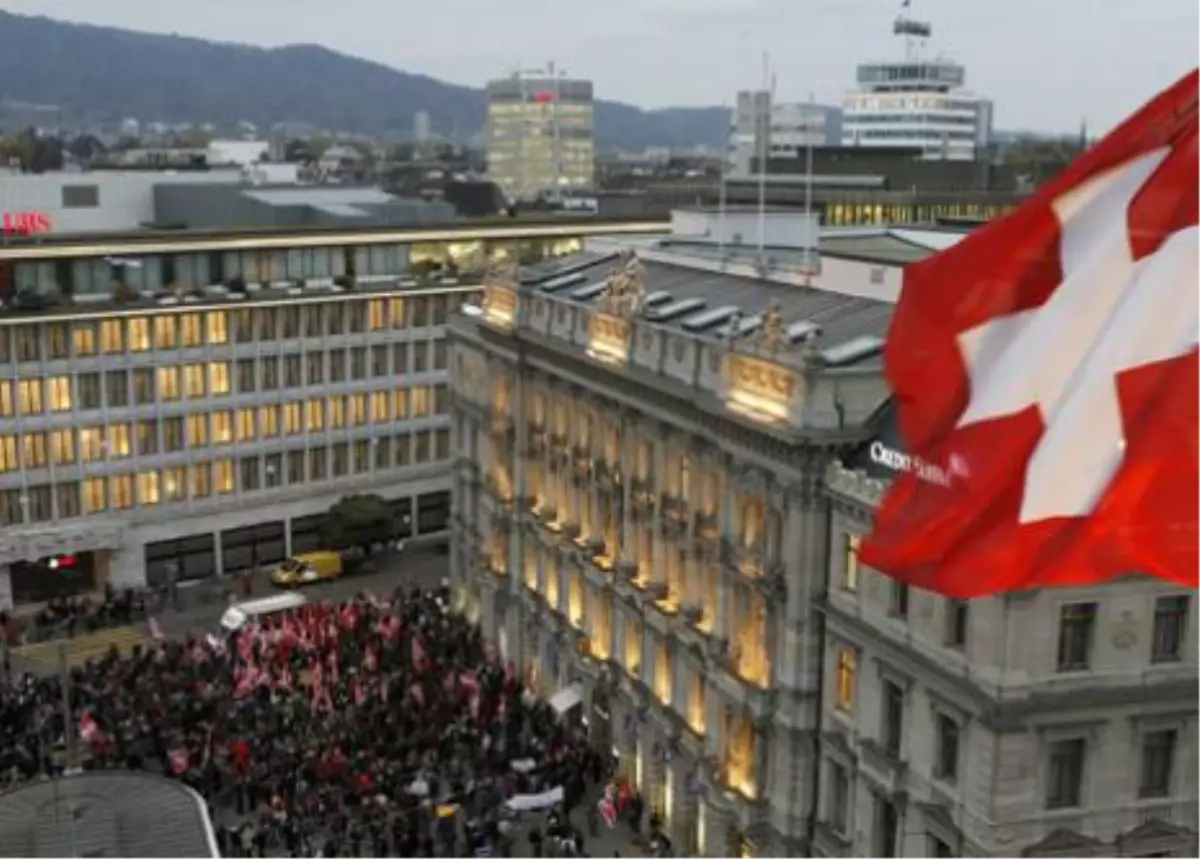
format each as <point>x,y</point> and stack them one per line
<point>625,293</point>
<point>770,339</point>
<point>502,271</point>
<point>1125,634</point>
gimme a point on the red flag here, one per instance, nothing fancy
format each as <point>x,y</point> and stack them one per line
<point>419,660</point>
<point>1046,366</point>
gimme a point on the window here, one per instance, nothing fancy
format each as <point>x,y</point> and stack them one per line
<point>62,446</point>
<point>839,798</point>
<point>396,312</point>
<point>312,321</point>
<point>248,475</point>
<point>383,452</point>
<point>847,668</point>
<point>201,481</point>
<point>166,332</point>
<point>168,383</point>
<point>66,496</point>
<point>139,336</point>
<point>419,402</point>
<point>28,343</point>
<point>218,378</point>
<point>217,323</point>
<point>120,490</point>
<point>337,365</point>
<point>40,504</point>
<point>957,615</point>
<point>341,459</point>
<point>173,435</point>
<point>295,467</point>
<point>56,340</point>
<point>337,412</point>
<point>268,421</point>
<point>441,444</point>
<point>314,414</point>
<point>893,718</point>
<point>292,423</point>
<point>938,848</point>
<point>120,444</point>
<point>362,456</point>
<point>273,470</point>
<point>377,315</point>
<point>194,380</point>
<point>358,363</point>
<point>946,765</point>
<point>222,427</point>
<point>246,376</point>
<point>174,483</point>
<point>379,361</point>
<point>58,390</point>
<point>318,464</point>
<point>1158,756</point>
<point>315,370</point>
<point>356,405</point>
<point>850,576</point>
<point>143,387</point>
<point>89,391</point>
<point>400,356</point>
<point>83,339</point>
<point>401,404</point>
<point>245,425</point>
<point>33,450</point>
<point>898,601</point>
<point>80,196</point>
<point>112,336</point>
<point>1075,625</point>
<point>887,821</point>
<point>1064,788</point>
<point>8,453</point>
<point>94,495</point>
<point>270,374</point>
<point>244,326</point>
<point>1170,627</point>
<point>29,396</point>
<point>192,331</point>
<point>116,388</point>
<point>420,354</point>
<point>197,430</point>
<point>223,481</point>
<point>6,399</point>
<point>147,488</point>
<point>147,438</point>
<point>291,322</point>
<point>91,444</point>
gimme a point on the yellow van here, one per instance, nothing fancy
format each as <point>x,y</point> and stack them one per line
<point>308,568</point>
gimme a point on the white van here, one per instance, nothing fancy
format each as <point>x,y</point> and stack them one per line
<point>239,614</point>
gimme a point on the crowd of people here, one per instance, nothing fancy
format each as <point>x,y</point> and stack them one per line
<point>368,727</point>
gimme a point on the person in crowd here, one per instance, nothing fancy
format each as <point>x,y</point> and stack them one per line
<point>366,727</point>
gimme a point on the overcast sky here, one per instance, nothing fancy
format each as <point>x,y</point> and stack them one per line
<point>1048,64</point>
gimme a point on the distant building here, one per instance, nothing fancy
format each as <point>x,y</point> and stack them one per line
<point>540,133</point>
<point>780,129</point>
<point>422,127</point>
<point>240,152</point>
<point>917,102</point>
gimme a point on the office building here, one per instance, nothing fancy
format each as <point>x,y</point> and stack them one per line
<point>180,408</point>
<point>764,128</point>
<point>651,519</point>
<point>917,102</point>
<point>540,134</point>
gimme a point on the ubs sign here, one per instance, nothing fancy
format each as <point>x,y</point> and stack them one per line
<point>27,223</point>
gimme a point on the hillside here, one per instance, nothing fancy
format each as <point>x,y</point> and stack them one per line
<point>109,72</point>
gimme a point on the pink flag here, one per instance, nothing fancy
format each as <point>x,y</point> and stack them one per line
<point>469,684</point>
<point>89,731</point>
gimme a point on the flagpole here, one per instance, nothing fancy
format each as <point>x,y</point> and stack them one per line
<point>762,157</point>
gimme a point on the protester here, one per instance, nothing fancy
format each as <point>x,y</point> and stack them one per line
<point>69,616</point>
<point>366,727</point>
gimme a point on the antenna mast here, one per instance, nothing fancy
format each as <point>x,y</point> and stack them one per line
<point>911,29</point>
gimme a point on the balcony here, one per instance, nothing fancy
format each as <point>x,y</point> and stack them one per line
<point>747,560</point>
<point>559,456</point>
<point>641,491</point>
<point>501,425</point>
<point>885,766</point>
<point>608,476</point>
<point>674,515</point>
<point>535,440</point>
<point>707,527</point>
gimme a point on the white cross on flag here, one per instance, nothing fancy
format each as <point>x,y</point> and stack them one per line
<point>1049,364</point>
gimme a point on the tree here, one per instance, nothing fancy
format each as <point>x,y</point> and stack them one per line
<point>358,521</point>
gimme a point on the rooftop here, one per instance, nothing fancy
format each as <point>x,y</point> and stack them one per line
<point>114,813</point>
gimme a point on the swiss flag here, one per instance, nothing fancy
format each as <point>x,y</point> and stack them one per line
<point>1045,375</point>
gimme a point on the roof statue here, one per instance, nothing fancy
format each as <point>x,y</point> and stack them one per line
<point>734,327</point>
<point>625,294</point>
<point>771,338</point>
<point>502,271</point>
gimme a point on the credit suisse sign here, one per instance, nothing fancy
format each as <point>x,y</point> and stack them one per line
<point>885,457</point>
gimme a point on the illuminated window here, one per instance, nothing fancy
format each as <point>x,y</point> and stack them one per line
<point>29,396</point>
<point>7,404</point>
<point>91,444</point>
<point>166,332</point>
<point>58,390</point>
<point>201,481</point>
<point>697,706</point>
<point>381,406</point>
<point>112,336</point>
<point>268,421</point>
<point>120,490</point>
<point>420,401</point>
<point>194,380</point>
<point>168,383</point>
<point>223,476</point>
<point>62,446</point>
<point>396,312</point>
<point>575,596</point>
<point>197,430</point>
<point>401,404</point>
<point>139,341</point>
<point>222,427</point>
<point>174,483</point>
<point>218,378</point>
<point>83,338</point>
<point>245,424</point>
<point>8,453</point>
<point>119,444</point>
<point>662,672</point>
<point>192,329</point>
<point>337,413</point>
<point>292,423</point>
<point>358,409</point>
<point>33,450</point>
<point>218,327</point>
<point>850,578</point>
<point>847,668</point>
<point>147,488</point>
<point>314,415</point>
<point>378,315</point>
<point>94,494</point>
